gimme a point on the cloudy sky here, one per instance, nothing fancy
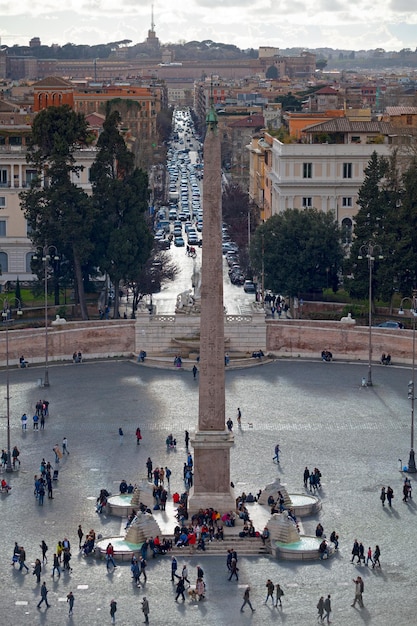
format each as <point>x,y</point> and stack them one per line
<point>346,24</point>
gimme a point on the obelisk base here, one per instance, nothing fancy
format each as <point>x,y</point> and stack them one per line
<point>211,486</point>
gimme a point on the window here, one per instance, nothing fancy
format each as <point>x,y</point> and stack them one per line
<point>347,170</point>
<point>30,176</point>
<point>347,202</point>
<point>307,202</point>
<point>4,262</point>
<point>3,178</point>
<point>307,170</point>
<point>2,202</point>
<point>2,228</point>
<point>409,120</point>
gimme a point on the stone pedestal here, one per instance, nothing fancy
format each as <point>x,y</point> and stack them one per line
<point>211,486</point>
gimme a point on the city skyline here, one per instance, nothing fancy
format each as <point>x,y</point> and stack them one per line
<point>389,24</point>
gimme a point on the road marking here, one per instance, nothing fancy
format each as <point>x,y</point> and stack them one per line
<point>21,603</point>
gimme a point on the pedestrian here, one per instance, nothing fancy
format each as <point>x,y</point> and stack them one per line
<point>168,474</point>
<point>145,610</point>
<point>270,591</point>
<point>44,549</point>
<point>143,564</point>
<point>22,559</point>
<point>16,453</point>
<point>180,590</point>
<point>195,370</point>
<point>121,435</point>
<point>65,446</point>
<point>306,476</point>
<point>184,574</point>
<point>110,557</point>
<point>405,491</point>
<point>138,436</point>
<point>200,572</point>
<point>383,496</point>
<point>377,554</point>
<point>135,571</point>
<point>149,467</point>
<point>328,608</point>
<point>233,568</point>
<point>239,417</point>
<point>359,588</point>
<point>320,609</point>
<point>369,557</point>
<point>246,600</point>
<point>390,495</point>
<point>277,451</point>
<point>80,535</point>
<point>229,425</point>
<point>24,419</point>
<point>280,593</point>
<point>187,439</point>
<point>42,422</point>
<point>41,492</point>
<point>70,600</point>
<point>113,609</point>
<point>37,569</point>
<point>44,596</point>
<point>355,551</point>
<point>361,553</point>
<point>56,566</point>
<point>174,566</point>
<point>35,421</point>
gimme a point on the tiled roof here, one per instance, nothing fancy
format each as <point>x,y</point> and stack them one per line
<point>343,125</point>
<point>401,111</point>
<point>53,81</point>
<point>326,91</point>
<point>252,121</point>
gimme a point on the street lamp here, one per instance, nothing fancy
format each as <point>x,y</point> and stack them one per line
<point>49,253</point>
<point>369,250</point>
<point>411,394</point>
<point>6,318</point>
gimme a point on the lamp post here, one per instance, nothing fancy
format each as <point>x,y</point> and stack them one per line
<point>411,460</point>
<point>6,318</point>
<point>369,250</point>
<point>48,253</point>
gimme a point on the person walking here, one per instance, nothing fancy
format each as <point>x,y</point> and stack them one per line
<point>328,609</point>
<point>70,600</point>
<point>195,370</point>
<point>56,566</point>
<point>233,568</point>
<point>149,467</point>
<point>369,557</point>
<point>277,451</point>
<point>44,596</point>
<point>306,476</point>
<point>187,439</point>
<point>113,609</point>
<point>355,551</point>
<point>44,549</point>
<point>80,535</point>
<point>359,588</point>
<point>138,436</point>
<point>110,557</point>
<point>24,419</point>
<point>390,495</point>
<point>37,569</point>
<point>168,475</point>
<point>65,446</point>
<point>246,600</point>
<point>15,457</point>
<point>22,559</point>
<point>174,567</point>
<point>229,425</point>
<point>239,417</point>
<point>280,593</point>
<point>180,590</point>
<point>320,609</point>
<point>145,610</point>
<point>121,435</point>
<point>270,591</point>
<point>383,496</point>
<point>143,564</point>
<point>377,554</point>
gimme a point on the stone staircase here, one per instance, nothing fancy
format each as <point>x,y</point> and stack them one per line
<point>244,546</point>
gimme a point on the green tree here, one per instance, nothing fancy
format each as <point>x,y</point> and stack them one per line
<point>18,294</point>
<point>58,212</point>
<point>298,251</point>
<point>120,193</point>
<point>405,232</point>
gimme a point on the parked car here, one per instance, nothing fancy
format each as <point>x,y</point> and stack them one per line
<point>390,324</point>
<point>249,286</point>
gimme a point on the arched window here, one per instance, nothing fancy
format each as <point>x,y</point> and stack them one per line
<point>4,262</point>
<point>347,228</point>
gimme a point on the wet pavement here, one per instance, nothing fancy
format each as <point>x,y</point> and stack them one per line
<point>320,416</point>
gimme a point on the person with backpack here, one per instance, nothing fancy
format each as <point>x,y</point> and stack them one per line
<point>328,608</point>
<point>377,554</point>
<point>280,593</point>
<point>320,609</point>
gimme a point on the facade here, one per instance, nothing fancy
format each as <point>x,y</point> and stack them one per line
<point>327,175</point>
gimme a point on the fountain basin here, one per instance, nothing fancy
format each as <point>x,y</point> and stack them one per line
<point>304,504</point>
<point>120,505</point>
<point>306,549</point>
<point>123,550</point>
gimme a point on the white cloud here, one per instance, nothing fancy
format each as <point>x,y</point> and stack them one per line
<point>358,24</point>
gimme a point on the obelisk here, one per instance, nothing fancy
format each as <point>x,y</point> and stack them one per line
<point>212,441</point>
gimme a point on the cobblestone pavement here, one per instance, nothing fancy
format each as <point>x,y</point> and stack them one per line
<point>316,411</point>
